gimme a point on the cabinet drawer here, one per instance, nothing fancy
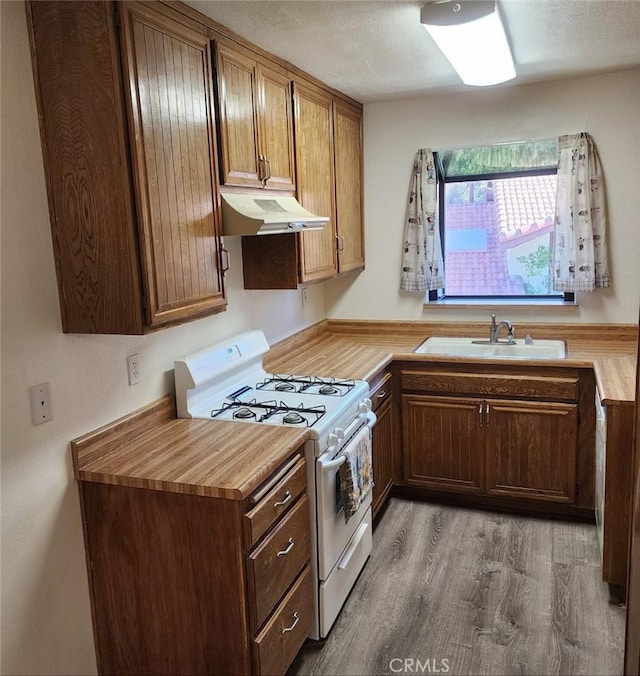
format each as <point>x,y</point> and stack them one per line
<point>276,502</point>
<point>381,392</point>
<point>274,564</point>
<point>275,647</point>
<point>555,388</point>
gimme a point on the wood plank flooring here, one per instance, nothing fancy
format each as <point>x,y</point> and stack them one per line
<point>489,593</point>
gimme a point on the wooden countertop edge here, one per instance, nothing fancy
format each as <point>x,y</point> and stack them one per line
<point>98,451</point>
<point>615,391</point>
<point>165,486</point>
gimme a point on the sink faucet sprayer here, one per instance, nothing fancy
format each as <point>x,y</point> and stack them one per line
<point>494,331</point>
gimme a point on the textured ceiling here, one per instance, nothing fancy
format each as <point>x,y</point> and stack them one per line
<point>379,50</point>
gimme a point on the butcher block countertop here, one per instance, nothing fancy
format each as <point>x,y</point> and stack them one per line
<point>361,349</point>
<point>153,449</point>
<point>616,380</point>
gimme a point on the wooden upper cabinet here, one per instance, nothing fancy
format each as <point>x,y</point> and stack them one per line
<point>238,123</point>
<point>313,111</point>
<point>275,129</point>
<point>347,124</point>
<point>83,131</point>
<point>169,71</point>
<point>328,153</point>
<point>256,127</point>
<point>128,163</point>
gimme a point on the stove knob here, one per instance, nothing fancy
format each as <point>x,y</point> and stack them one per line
<point>339,432</point>
<point>332,440</point>
<point>365,406</point>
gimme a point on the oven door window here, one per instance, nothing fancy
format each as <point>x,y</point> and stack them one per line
<point>339,500</point>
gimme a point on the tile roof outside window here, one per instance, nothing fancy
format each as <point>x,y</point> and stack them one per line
<point>517,210</point>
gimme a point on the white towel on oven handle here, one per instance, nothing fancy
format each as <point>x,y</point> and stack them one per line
<point>356,473</point>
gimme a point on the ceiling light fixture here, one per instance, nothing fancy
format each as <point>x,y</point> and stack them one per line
<point>471,36</point>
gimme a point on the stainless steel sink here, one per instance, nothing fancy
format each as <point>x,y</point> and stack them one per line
<point>473,347</point>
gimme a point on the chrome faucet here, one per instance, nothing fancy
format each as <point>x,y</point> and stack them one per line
<point>494,331</point>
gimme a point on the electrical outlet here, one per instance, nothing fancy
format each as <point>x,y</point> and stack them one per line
<point>133,369</point>
<point>40,404</point>
<point>304,296</point>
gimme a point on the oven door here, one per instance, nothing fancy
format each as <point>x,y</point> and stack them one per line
<point>333,533</point>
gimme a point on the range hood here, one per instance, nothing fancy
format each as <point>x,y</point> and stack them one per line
<point>247,214</point>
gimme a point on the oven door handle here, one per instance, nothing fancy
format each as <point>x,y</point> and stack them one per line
<point>367,419</point>
<point>334,464</point>
<point>370,418</point>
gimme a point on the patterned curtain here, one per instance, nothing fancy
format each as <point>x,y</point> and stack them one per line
<point>422,266</point>
<point>580,248</point>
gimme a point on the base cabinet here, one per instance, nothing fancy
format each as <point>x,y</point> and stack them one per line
<point>531,450</point>
<point>187,584</point>
<point>524,450</point>
<point>443,443</point>
<point>383,441</point>
<point>613,487</point>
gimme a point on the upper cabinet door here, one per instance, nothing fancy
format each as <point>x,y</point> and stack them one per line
<point>275,128</point>
<point>238,118</point>
<point>256,126</point>
<point>313,115</point>
<point>168,66</point>
<point>347,123</point>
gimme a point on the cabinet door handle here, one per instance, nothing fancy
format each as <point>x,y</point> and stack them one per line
<point>480,413</point>
<point>267,162</point>
<point>340,239</point>
<point>261,171</point>
<point>295,621</point>
<point>486,410</point>
<point>284,552</point>
<point>225,261</point>
<point>287,497</point>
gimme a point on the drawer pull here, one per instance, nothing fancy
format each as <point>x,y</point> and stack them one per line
<point>382,395</point>
<point>287,497</point>
<point>296,619</point>
<point>284,552</point>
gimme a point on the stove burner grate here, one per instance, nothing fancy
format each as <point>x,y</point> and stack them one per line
<point>303,384</point>
<point>254,411</point>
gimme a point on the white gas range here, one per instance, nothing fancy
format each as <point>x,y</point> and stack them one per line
<point>227,381</point>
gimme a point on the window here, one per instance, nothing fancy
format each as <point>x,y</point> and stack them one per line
<point>496,206</point>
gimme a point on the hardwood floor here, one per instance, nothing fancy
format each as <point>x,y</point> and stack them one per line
<point>489,593</point>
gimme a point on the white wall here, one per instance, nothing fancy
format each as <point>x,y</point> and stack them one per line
<point>607,106</point>
<point>46,621</point>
